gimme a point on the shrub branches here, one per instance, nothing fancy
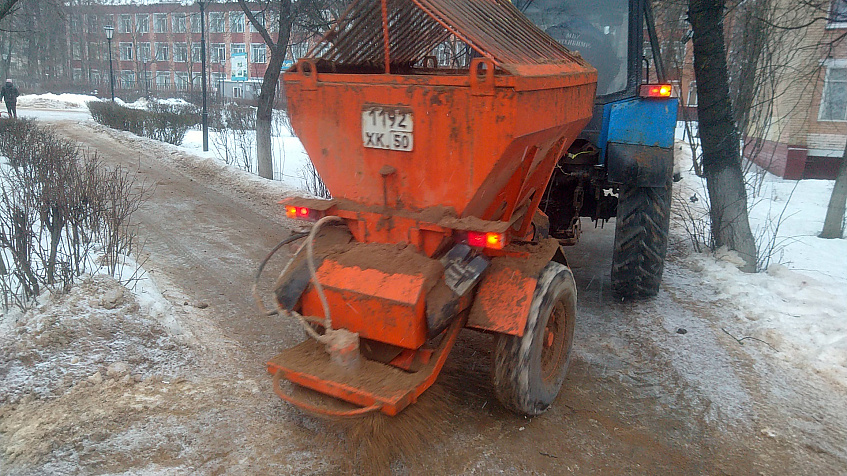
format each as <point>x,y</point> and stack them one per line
<point>57,204</point>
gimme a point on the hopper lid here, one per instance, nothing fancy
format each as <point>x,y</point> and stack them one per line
<point>416,29</point>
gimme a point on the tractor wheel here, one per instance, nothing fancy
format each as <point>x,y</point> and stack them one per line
<point>529,370</point>
<point>641,240</point>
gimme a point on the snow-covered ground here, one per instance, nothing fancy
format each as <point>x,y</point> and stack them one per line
<point>289,156</point>
<point>798,305</point>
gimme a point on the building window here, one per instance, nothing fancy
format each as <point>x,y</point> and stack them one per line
<point>299,50</point>
<point>128,78</point>
<point>834,99</point>
<point>181,80</point>
<point>691,101</point>
<point>144,52</point>
<point>216,22</point>
<point>217,53</point>
<point>180,52</point>
<point>94,25</point>
<point>195,22</point>
<point>146,79</point>
<point>236,22</point>
<point>107,20</point>
<point>216,81</point>
<point>126,51</point>
<point>142,22</point>
<point>125,25</point>
<point>162,52</point>
<point>196,57</point>
<point>837,14</point>
<point>93,51</point>
<point>237,48</point>
<point>94,76</point>
<point>75,51</point>
<point>257,53</point>
<point>163,79</point>
<point>160,22</point>
<point>77,74</point>
<point>179,22</point>
<point>260,16</point>
<point>74,25</point>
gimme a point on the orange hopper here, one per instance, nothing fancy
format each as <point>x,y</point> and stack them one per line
<point>435,125</point>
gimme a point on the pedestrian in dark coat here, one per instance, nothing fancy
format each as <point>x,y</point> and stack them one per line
<point>9,93</point>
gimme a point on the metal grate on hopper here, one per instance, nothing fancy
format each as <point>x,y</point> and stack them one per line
<point>396,36</point>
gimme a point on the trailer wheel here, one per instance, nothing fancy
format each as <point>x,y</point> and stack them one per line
<point>641,240</point>
<point>529,370</point>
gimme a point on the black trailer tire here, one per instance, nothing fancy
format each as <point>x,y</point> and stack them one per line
<point>529,370</point>
<point>641,240</point>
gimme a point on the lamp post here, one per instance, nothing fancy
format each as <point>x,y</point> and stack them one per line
<point>205,115</point>
<point>110,30</point>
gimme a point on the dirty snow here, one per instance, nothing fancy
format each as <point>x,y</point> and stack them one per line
<point>798,306</point>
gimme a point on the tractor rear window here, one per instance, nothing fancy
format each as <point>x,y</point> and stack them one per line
<point>597,29</point>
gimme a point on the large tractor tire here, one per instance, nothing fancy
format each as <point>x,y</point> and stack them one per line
<point>529,370</point>
<point>641,240</point>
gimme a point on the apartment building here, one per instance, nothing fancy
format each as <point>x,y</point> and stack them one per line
<point>808,123</point>
<point>156,48</point>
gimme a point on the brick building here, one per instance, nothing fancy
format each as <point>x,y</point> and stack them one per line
<point>808,129</point>
<point>156,48</point>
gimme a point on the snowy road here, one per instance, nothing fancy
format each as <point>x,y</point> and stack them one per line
<point>655,387</point>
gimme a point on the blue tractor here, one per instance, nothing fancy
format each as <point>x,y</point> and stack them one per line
<point>622,164</point>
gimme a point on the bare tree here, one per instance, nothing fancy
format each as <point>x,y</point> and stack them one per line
<point>730,224</point>
<point>278,47</point>
<point>833,225</point>
<point>7,7</point>
<point>309,17</point>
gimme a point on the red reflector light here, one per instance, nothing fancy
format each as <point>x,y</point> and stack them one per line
<point>487,240</point>
<point>301,213</point>
<point>656,90</point>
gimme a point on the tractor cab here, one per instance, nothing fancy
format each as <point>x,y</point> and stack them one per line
<point>628,142</point>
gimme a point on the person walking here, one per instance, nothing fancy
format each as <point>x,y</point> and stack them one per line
<point>9,93</point>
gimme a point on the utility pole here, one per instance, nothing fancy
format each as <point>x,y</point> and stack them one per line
<point>205,115</point>
<point>110,30</point>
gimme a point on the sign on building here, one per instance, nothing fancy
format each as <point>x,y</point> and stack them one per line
<point>239,66</point>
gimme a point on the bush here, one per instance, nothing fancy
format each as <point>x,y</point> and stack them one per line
<point>57,202</point>
<point>164,122</point>
<point>236,137</point>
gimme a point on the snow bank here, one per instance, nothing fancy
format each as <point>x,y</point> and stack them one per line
<point>56,101</point>
<point>98,330</point>
<point>799,305</point>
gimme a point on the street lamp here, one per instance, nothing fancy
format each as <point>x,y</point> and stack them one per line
<point>205,115</point>
<point>110,30</point>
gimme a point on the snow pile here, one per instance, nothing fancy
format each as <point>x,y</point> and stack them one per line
<point>798,316</point>
<point>799,305</point>
<point>98,330</point>
<point>56,101</point>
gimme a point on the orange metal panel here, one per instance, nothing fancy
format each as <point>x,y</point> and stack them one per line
<point>466,147</point>
<point>380,306</point>
<point>368,391</point>
<point>502,301</point>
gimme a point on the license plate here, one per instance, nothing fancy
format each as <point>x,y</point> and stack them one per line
<point>387,127</point>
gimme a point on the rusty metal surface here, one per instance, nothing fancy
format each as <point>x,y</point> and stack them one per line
<point>493,28</point>
<point>504,296</point>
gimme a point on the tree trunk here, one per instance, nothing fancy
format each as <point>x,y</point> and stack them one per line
<point>718,134</point>
<point>833,225</point>
<point>264,151</point>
